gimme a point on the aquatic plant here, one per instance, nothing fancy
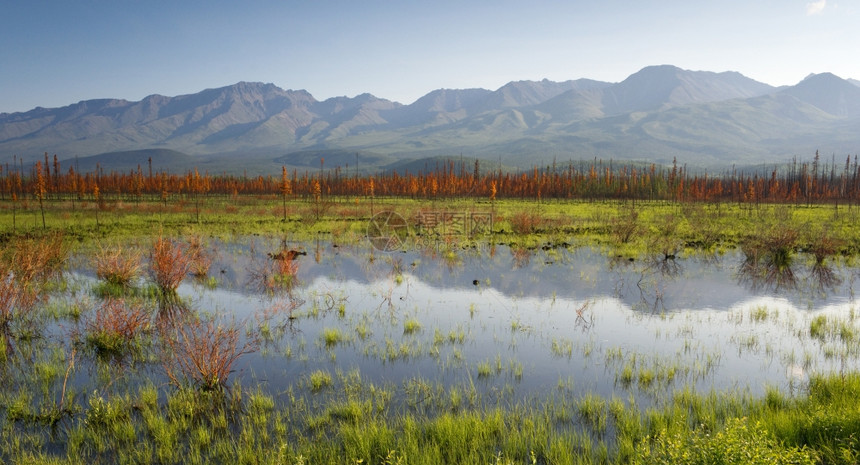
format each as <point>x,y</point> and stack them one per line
<point>411,325</point>
<point>319,380</point>
<point>278,273</point>
<point>117,266</point>
<point>16,299</point>
<point>115,325</point>
<point>484,369</point>
<point>202,352</point>
<point>592,409</point>
<point>169,263</point>
<point>740,442</point>
<point>201,258</point>
<point>36,260</point>
<point>818,327</point>
<point>332,336</point>
<point>760,313</point>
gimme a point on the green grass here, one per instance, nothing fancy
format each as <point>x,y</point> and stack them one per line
<point>332,337</point>
<point>362,330</point>
<point>411,325</point>
<point>561,347</point>
<point>659,226</point>
<point>319,380</point>
<point>729,429</point>
<point>485,369</point>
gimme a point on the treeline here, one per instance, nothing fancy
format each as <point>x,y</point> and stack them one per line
<point>796,182</point>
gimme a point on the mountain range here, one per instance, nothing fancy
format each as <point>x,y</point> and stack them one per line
<point>657,114</point>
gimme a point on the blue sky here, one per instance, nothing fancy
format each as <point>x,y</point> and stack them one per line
<point>55,53</point>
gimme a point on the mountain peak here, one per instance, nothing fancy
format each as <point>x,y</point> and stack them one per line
<point>664,86</point>
<point>659,69</point>
<point>828,92</point>
<point>448,100</point>
<point>821,77</point>
<point>655,73</point>
<point>524,93</point>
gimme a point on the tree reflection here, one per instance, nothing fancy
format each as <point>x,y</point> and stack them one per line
<point>823,277</point>
<point>766,275</point>
<point>276,273</point>
<point>658,271</point>
<point>768,260</point>
<point>665,265</point>
<point>171,309</point>
<point>522,257</point>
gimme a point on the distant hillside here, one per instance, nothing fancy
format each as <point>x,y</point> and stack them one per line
<point>656,114</point>
<point>157,159</point>
<point>328,159</point>
<point>439,164</point>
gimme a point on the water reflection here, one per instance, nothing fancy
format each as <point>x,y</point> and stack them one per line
<point>666,265</point>
<point>584,317</point>
<point>654,283</point>
<point>527,319</point>
<point>275,273</point>
<point>767,275</point>
<point>824,277</point>
<point>658,272</point>
<point>521,257</point>
<point>171,309</point>
<point>772,275</point>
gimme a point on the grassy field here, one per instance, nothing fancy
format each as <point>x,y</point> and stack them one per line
<point>191,415</point>
<point>626,228</point>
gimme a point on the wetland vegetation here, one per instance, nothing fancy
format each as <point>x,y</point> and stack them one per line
<point>266,328</point>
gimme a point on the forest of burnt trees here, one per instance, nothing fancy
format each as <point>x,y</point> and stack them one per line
<point>795,182</point>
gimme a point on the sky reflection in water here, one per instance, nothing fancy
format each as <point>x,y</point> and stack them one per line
<point>539,320</point>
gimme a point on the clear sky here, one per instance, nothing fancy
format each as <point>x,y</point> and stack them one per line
<point>55,53</point>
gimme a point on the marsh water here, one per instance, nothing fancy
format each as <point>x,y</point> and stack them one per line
<point>517,324</point>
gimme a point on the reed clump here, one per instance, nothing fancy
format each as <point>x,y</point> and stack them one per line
<point>169,263</point>
<point>824,246</point>
<point>201,257</point>
<point>26,264</point>
<point>625,226</point>
<point>768,258</point>
<point>524,222</point>
<point>117,266</point>
<point>16,298</point>
<point>116,326</point>
<point>202,352</point>
<point>36,260</point>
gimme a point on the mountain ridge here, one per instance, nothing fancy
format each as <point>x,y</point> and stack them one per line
<point>709,118</point>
